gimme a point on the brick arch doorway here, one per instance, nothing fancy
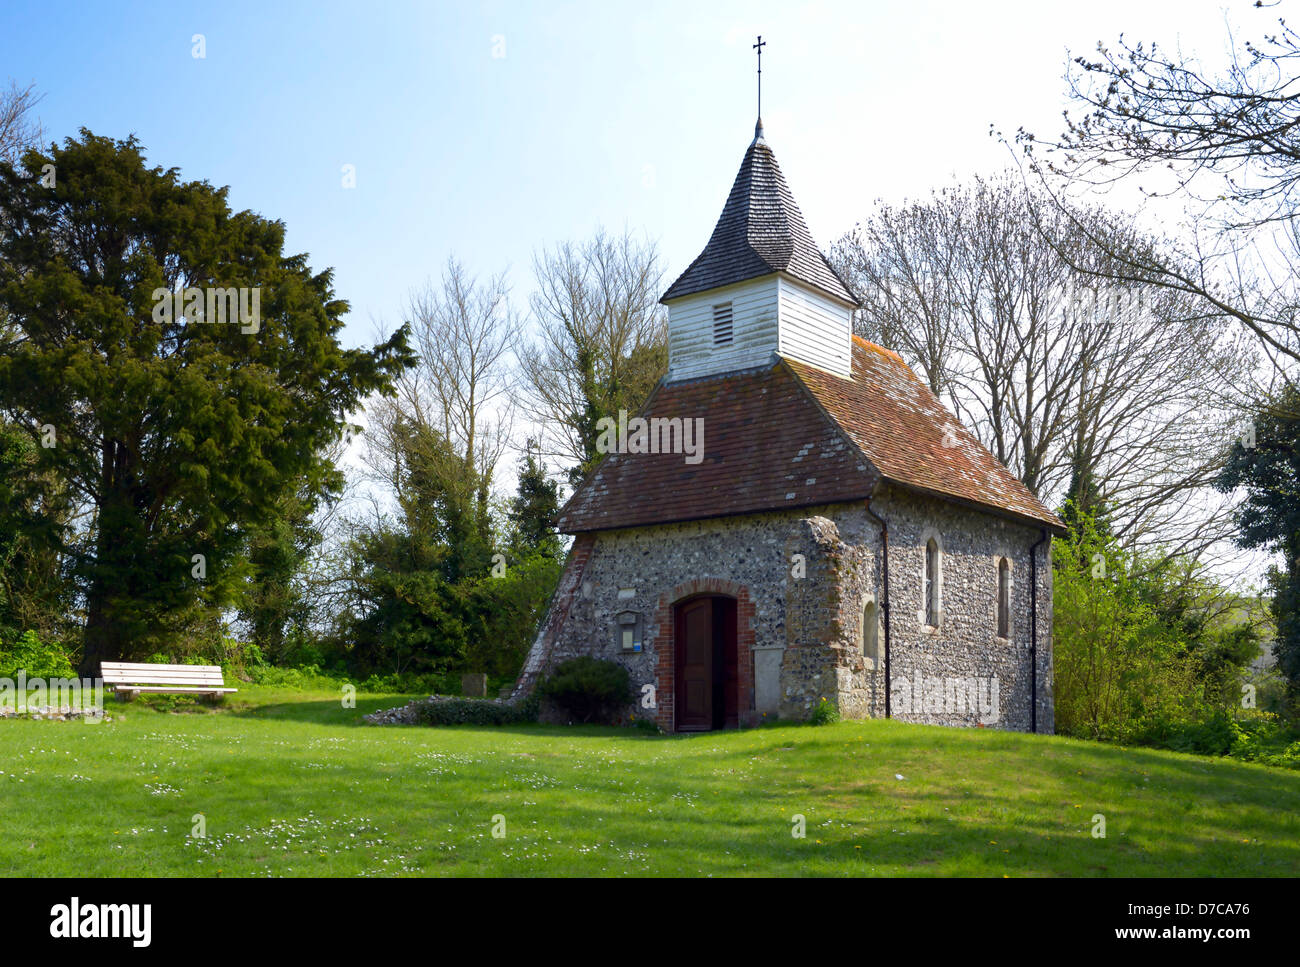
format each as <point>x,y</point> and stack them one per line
<point>706,687</point>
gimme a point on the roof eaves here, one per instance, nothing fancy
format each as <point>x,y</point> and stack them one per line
<point>671,296</point>
<point>1054,524</point>
<point>849,303</point>
<point>764,509</point>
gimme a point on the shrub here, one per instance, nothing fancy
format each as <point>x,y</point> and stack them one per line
<point>531,707</point>
<point>1215,735</point>
<point>1252,736</point>
<point>471,711</point>
<point>1122,671</point>
<point>34,657</point>
<point>588,689</point>
<point>410,684</point>
<point>305,676</point>
<point>824,713</point>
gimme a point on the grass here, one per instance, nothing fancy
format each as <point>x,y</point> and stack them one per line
<point>291,784</point>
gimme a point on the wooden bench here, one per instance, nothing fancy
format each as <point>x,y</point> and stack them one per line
<point>129,679</point>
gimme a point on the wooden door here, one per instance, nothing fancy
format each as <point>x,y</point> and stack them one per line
<point>726,671</point>
<point>694,670</point>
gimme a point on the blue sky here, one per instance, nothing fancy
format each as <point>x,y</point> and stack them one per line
<point>597,114</point>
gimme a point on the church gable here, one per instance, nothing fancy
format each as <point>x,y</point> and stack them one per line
<point>724,330</point>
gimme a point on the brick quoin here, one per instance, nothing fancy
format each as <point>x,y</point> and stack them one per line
<point>666,647</point>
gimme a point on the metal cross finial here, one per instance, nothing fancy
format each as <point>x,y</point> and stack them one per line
<point>759,47</point>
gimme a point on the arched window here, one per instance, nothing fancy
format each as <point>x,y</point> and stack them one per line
<point>931,589</point>
<point>871,634</point>
<point>1004,598</point>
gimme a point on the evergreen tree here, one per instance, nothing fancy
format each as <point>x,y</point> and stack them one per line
<point>534,508</point>
<point>272,602</point>
<point>1083,501</point>
<point>179,430</point>
<point>1267,468</point>
<point>33,506</point>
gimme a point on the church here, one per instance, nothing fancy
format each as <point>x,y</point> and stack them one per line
<point>831,532</point>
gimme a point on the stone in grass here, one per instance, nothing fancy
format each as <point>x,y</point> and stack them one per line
<point>473,685</point>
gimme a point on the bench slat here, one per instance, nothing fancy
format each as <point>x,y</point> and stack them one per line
<point>164,668</point>
<point>172,688</point>
<point>174,675</point>
<point>152,664</point>
<point>140,676</point>
<point>188,683</point>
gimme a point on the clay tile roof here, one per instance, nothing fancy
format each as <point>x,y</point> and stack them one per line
<point>766,447</point>
<point>760,231</point>
<point>912,439</point>
<point>790,436</point>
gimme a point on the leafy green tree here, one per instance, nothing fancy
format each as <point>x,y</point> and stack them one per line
<point>1117,665</point>
<point>1217,631</point>
<point>428,593</point>
<point>1267,468</point>
<point>33,507</point>
<point>271,602</point>
<point>534,508</point>
<point>438,493</point>
<point>405,617</point>
<point>505,612</point>
<point>1083,500</point>
<point>179,430</point>
<point>411,577</point>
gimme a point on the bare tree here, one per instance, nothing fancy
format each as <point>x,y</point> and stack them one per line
<point>1224,143</point>
<point>963,287</point>
<point>459,395</point>
<point>907,277</point>
<point>1103,393</point>
<point>19,127</point>
<point>601,343</point>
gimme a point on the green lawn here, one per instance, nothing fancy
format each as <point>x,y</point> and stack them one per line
<point>291,784</point>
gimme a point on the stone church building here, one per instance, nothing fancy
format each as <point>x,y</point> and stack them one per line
<point>830,527</point>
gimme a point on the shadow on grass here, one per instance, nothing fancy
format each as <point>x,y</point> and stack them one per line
<point>331,712</point>
<point>318,711</point>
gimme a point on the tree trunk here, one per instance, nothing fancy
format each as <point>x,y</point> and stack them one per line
<point>101,640</point>
<point>98,643</point>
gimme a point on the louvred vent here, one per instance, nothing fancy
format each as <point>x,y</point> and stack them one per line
<point>722,324</point>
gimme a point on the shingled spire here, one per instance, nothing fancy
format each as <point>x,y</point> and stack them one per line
<point>761,232</point>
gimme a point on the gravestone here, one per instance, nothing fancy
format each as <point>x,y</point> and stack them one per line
<point>473,685</point>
